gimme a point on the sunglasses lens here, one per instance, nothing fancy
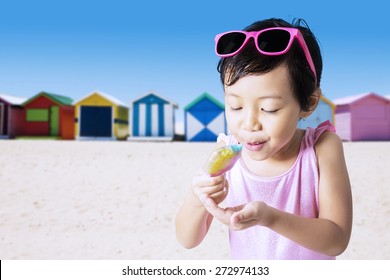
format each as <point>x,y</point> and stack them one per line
<point>273,41</point>
<point>230,42</point>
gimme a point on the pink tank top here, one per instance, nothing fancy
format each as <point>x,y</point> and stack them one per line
<point>295,191</point>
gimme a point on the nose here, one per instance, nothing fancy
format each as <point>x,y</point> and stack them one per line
<point>252,121</point>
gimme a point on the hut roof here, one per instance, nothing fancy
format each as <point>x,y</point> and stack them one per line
<point>60,99</point>
<point>174,104</point>
<point>207,96</point>
<point>106,96</point>
<point>14,100</point>
<point>355,98</point>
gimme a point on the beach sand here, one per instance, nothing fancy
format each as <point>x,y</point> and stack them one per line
<point>118,200</point>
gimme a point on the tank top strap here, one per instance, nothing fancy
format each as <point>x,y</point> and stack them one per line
<point>321,128</point>
<point>312,134</point>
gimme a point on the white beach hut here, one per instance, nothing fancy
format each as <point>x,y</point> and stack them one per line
<point>204,119</point>
<point>152,118</point>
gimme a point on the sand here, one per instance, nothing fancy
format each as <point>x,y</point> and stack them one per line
<point>118,200</point>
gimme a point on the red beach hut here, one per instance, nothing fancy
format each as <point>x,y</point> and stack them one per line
<point>48,114</point>
<point>363,117</point>
<point>11,115</point>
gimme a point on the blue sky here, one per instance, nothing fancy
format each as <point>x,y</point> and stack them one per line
<point>128,48</point>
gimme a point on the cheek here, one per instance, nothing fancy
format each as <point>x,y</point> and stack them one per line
<point>284,123</point>
<point>281,134</point>
<point>281,128</point>
<point>232,122</point>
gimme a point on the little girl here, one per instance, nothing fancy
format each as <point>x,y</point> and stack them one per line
<point>289,195</point>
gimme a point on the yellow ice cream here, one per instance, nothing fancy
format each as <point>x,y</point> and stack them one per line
<point>222,159</point>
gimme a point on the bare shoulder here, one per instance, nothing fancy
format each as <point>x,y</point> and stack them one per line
<point>328,146</point>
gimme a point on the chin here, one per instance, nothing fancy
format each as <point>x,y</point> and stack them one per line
<point>257,156</point>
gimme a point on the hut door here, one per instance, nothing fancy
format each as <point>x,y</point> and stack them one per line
<point>96,121</point>
<point>1,118</point>
<point>54,121</point>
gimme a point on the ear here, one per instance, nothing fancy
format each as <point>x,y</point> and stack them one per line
<point>313,102</point>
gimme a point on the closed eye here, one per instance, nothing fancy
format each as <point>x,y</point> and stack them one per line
<point>235,108</point>
<point>269,111</point>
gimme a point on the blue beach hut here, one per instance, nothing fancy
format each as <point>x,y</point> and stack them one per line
<point>204,119</point>
<point>152,117</point>
<point>325,111</point>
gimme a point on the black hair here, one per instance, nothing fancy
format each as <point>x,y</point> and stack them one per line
<point>250,62</point>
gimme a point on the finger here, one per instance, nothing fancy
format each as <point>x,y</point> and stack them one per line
<point>221,189</point>
<point>210,190</point>
<point>217,180</point>
<point>215,210</point>
<point>226,186</point>
<point>243,213</point>
<point>202,180</point>
<point>242,225</point>
<point>218,194</point>
<point>235,219</point>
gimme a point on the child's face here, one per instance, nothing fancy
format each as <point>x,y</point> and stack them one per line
<point>262,113</point>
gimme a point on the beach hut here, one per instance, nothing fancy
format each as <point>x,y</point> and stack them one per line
<point>152,118</point>
<point>101,116</point>
<point>363,117</point>
<point>204,119</point>
<point>49,115</point>
<point>11,115</point>
<point>325,111</point>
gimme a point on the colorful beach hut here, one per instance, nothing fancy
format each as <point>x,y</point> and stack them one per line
<point>204,119</point>
<point>101,116</point>
<point>152,118</point>
<point>325,111</point>
<point>47,114</point>
<point>363,117</point>
<point>11,115</point>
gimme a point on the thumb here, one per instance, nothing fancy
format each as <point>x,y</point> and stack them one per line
<point>237,218</point>
<point>244,213</point>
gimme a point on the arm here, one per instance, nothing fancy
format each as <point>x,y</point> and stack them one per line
<point>330,232</point>
<point>192,220</point>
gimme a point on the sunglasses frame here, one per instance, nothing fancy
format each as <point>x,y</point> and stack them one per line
<point>294,34</point>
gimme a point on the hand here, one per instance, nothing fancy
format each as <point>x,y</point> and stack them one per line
<point>239,217</point>
<point>213,187</point>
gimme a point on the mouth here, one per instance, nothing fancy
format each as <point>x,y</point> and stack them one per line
<point>254,146</point>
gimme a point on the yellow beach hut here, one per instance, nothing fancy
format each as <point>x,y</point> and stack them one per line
<point>101,116</point>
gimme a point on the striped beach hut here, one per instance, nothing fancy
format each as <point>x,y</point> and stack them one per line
<point>363,117</point>
<point>204,119</point>
<point>11,115</point>
<point>325,111</point>
<point>48,115</point>
<point>152,118</point>
<point>101,116</point>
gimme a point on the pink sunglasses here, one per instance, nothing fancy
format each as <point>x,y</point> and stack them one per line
<point>270,41</point>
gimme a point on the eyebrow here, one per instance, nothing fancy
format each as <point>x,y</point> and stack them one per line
<point>262,97</point>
